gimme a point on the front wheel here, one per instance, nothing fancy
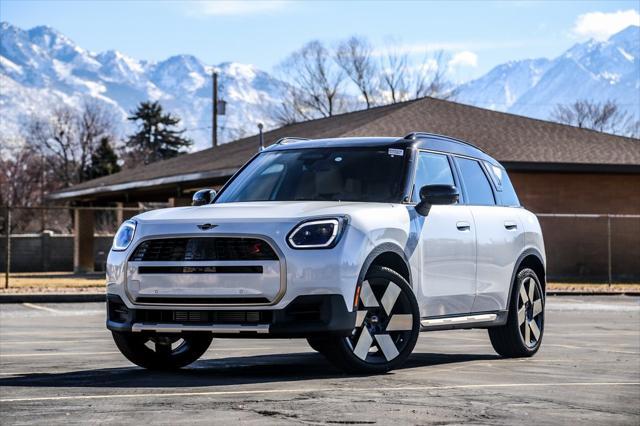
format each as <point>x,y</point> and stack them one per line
<point>521,336</point>
<point>162,351</point>
<point>386,329</point>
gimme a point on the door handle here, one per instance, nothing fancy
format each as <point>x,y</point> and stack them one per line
<point>463,226</point>
<point>510,225</point>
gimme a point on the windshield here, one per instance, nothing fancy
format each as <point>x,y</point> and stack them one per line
<point>336,174</point>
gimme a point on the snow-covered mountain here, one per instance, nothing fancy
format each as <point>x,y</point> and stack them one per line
<point>41,68</point>
<point>593,70</point>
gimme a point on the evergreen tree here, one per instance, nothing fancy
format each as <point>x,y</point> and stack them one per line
<point>104,161</point>
<point>156,138</point>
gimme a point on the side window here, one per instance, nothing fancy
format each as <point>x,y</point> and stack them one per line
<point>497,174</point>
<point>432,169</point>
<point>478,188</point>
<point>508,195</point>
<point>502,182</point>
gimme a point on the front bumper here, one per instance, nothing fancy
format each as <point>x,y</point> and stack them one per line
<point>305,316</point>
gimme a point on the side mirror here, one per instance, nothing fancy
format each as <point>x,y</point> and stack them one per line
<point>436,195</point>
<point>202,197</point>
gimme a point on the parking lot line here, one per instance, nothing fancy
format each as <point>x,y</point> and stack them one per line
<point>57,354</point>
<point>319,390</point>
<point>42,308</point>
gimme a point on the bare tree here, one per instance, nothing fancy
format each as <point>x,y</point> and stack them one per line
<point>24,179</point>
<point>430,77</point>
<point>67,139</point>
<point>603,117</point>
<point>355,57</point>
<point>316,80</point>
<point>394,73</point>
<point>21,178</point>
<point>633,128</point>
<point>292,108</point>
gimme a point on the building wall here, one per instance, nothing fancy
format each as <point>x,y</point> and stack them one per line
<point>48,253</point>
<point>578,247</point>
<point>578,192</point>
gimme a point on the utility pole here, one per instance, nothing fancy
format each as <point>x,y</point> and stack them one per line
<point>7,245</point>
<point>214,117</point>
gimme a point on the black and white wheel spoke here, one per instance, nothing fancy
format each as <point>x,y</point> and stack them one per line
<point>383,322</point>
<point>165,345</point>
<point>530,311</point>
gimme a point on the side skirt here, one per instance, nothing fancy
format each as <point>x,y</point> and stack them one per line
<point>465,321</point>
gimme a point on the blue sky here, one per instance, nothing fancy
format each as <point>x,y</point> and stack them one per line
<point>477,34</point>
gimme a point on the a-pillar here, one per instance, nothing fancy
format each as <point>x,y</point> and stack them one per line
<point>83,257</point>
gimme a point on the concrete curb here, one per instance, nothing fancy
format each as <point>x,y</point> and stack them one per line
<point>593,293</point>
<point>53,298</point>
<point>101,297</point>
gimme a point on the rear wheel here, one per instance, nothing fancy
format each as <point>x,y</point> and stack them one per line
<point>386,329</point>
<point>521,336</point>
<point>162,351</point>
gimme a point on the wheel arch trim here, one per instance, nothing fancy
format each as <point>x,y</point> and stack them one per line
<point>525,254</point>
<point>380,250</point>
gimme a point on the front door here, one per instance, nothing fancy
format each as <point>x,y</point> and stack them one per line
<point>448,245</point>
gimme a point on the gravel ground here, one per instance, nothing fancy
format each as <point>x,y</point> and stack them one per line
<point>58,364</point>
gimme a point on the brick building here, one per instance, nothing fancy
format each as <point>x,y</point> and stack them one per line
<point>556,169</point>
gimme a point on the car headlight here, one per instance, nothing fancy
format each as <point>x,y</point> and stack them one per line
<point>316,234</point>
<point>124,236</point>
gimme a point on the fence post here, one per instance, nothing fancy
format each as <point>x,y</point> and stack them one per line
<point>7,245</point>
<point>609,248</point>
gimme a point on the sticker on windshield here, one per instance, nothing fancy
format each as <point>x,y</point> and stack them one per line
<point>396,151</point>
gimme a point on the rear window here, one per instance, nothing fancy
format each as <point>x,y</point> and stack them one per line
<point>477,186</point>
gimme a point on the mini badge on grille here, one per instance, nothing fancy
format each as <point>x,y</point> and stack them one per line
<point>206,226</point>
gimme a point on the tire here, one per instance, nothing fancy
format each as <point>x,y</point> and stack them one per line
<point>386,329</point>
<point>318,344</point>
<point>162,351</point>
<point>522,335</point>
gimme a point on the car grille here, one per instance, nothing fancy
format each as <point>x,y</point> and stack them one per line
<point>203,249</point>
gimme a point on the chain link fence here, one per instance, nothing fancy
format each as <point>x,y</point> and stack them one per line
<point>581,248</point>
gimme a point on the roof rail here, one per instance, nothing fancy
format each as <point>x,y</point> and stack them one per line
<point>289,139</point>
<point>418,135</point>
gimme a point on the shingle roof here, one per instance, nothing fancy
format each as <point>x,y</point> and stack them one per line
<point>508,138</point>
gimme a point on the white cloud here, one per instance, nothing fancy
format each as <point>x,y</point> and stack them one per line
<point>233,7</point>
<point>601,25</point>
<point>464,59</point>
<point>422,48</point>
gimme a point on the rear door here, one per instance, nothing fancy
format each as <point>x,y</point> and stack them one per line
<point>447,281</point>
<point>498,231</point>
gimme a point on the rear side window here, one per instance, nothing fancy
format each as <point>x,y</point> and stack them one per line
<point>433,169</point>
<point>503,184</point>
<point>477,186</point>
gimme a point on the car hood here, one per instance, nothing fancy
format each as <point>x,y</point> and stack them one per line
<point>256,211</point>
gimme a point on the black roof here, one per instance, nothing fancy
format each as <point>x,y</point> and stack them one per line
<point>419,140</point>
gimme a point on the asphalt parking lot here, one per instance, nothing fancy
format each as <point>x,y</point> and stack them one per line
<point>58,364</point>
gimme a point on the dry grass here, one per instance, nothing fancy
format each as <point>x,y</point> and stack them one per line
<point>594,287</point>
<point>53,282</point>
<point>67,282</point>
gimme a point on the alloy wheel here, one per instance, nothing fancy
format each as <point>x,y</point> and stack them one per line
<point>384,322</point>
<point>166,345</point>
<point>530,312</point>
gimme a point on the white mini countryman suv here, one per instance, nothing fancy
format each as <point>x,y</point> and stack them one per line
<point>355,244</point>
